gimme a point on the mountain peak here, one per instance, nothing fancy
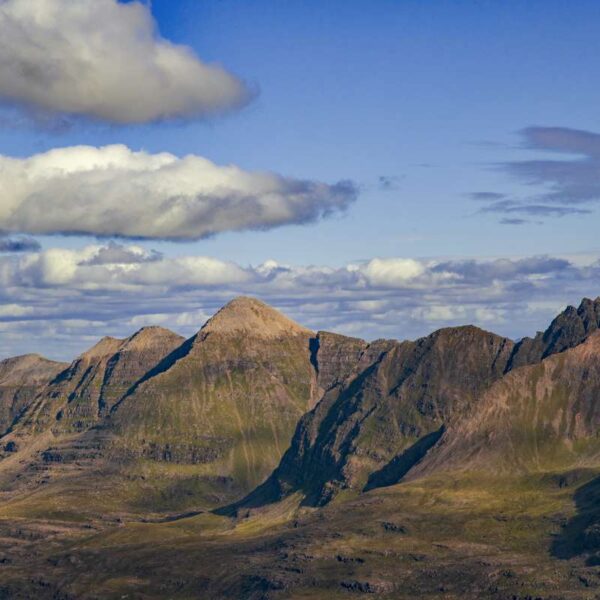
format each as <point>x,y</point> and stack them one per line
<point>569,329</point>
<point>106,346</point>
<point>150,336</point>
<point>252,316</point>
<point>28,367</point>
<point>23,358</point>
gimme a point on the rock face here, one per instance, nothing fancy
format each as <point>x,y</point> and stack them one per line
<point>21,380</point>
<point>538,417</point>
<point>335,358</point>
<point>369,429</point>
<point>84,393</point>
<point>569,329</point>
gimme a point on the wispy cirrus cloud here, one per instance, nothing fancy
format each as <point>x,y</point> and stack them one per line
<point>113,191</point>
<point>573,179</point>
<point>566,185</point>
<point>487,196</point>
<point>513,221</point>
<point>529,209</point>
<point>105,60</point>
<point>59,301</point>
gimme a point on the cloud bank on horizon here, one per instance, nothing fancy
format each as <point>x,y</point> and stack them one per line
<point>59,301</point>
<point>114,191</point>
<point>106,61</point>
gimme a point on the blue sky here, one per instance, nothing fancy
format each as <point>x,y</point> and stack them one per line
<point>420,105</point>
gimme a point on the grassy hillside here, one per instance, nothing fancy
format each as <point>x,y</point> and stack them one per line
<point>467,537</point>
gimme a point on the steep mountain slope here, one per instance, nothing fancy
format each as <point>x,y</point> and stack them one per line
<point>53,441</point>
<point>397,404</point>
<point>371,429</point>
<point>82,394</point>
<point>21,379</point>
<point>335,357</point>
<point>541,417</point>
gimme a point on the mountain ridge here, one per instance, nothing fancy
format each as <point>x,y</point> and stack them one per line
<point>460,464</point>
<point>552,418</point>
<point>364,414</point>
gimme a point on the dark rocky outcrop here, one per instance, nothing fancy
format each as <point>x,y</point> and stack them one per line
<point>568,330</point>
<point>335,358</point>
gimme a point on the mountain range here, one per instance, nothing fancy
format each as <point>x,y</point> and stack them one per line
<point>260,459</point>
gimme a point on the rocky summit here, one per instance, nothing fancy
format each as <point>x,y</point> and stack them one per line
<point>259,459</point>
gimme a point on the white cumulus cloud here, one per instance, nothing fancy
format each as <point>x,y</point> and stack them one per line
<point>105,60</point>
<point>114,191</point>
<point>389,272</point>
<point>90,268</point>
